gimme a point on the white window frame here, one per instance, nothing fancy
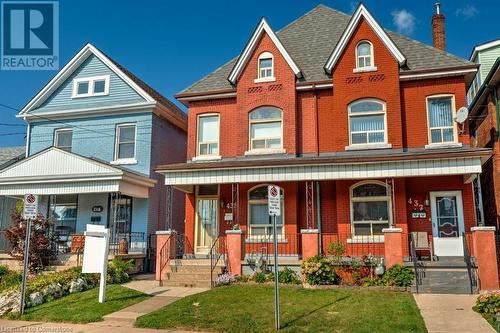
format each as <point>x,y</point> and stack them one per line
<point>370,68</point>
<point>368,145</point>
<point>117,138</point>
<point>257,151</point>
<point>448,144</point>
<point>199,156</point>
<point>262,201</point>
<point>260,78</point>
<point>56,136</point>
<point>352,200</point>
<point>91,80</point>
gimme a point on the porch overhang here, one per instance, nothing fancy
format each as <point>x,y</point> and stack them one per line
<point>54,171</point>
<point>305,169</point>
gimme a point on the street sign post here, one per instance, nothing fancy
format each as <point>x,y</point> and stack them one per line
<point>30,211</point>
<point>95,255</point>
<point>274,207</point>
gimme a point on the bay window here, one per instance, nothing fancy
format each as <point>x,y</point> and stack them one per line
<point>367,122</point>
<point>265,129</point>
<point>208,135</point>
<point>441,111</point>
<point>370,208</point>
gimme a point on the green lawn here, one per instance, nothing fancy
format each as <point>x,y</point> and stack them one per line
<point>83,307</point>
<point>250,308</point>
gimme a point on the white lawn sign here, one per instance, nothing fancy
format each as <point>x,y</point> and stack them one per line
<point>95,255</point>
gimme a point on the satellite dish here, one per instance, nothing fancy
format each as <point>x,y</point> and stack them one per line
<point>462,114</point>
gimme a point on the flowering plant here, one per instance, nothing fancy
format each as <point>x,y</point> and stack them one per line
<point>488,304</point>
<point>318,270</point>
<point>225,279</point>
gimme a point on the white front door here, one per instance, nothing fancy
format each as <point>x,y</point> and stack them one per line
<point>206,224</point>
<point>447,223</point>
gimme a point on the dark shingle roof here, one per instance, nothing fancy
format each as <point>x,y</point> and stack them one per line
<point>311,39</point>
<point>9,155</point>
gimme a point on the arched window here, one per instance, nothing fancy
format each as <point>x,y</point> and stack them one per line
<point>370,208</point>
<point>265,129</point>
<point>259,221</point>
<point>367,122</point>
<point>266,66</point>
<point>364,55</point>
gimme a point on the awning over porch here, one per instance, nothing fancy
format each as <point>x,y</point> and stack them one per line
<point>361,166</point>
<point>55,171</point>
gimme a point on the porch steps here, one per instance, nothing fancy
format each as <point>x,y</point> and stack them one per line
<point>447,275</point>
<point>191,273</point>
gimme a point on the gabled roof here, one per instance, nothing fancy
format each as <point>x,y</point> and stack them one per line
<point>482,47</point>
<point>10,155</point>
<point>262,28</point>
<point>310,40</point>
<point>362,13</point>
<point>150,95</point>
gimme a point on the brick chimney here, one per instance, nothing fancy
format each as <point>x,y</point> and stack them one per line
<point>438,35</point>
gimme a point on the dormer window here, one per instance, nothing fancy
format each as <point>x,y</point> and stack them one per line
<point>265,68</point>
<point>364,57</point>
<point>91,86</point>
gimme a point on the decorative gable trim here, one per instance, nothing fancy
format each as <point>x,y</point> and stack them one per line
<point>362,12</point>
<point>252,44</point>
<point>70,67</point>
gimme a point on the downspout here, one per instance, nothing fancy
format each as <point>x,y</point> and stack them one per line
<point>317,118</point>
<point>318,216</point>
<point>497,110</point>
<point>28,141</point>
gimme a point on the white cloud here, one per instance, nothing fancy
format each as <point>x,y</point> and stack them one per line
<point>404,21</point>
<point>467,12</point>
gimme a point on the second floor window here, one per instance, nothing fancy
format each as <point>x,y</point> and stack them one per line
<point>63,138</point>
<point>266,66</point>
<point>367,120</point>
<point>364,55</point>
<point>266,129</point>
<point>208,135</point>
<point>440,111</point>
<point>125,142</point>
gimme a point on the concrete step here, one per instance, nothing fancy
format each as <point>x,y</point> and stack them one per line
<point>197,284</point>
<point>443,290</point>
<point>186,277</point>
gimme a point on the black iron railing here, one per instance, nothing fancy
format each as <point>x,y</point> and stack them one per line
<point>471,265</point>
<point>135,242</point>
<point>217,250</point>
<point>418,267</point>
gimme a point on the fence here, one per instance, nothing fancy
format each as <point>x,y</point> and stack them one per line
<point>354,246</point>
<point>288,245</point>
<point>136,242</point>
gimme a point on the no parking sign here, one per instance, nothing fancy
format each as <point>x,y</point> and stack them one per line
<point>30,210</point>
<point>274,200</point>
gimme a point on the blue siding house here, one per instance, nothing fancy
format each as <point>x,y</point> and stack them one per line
<point>95,132</point>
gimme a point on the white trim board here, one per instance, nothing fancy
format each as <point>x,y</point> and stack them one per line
<point>250,48</point>
<point>70,67</point>
<point>384,169</point>
<point>362,12</point>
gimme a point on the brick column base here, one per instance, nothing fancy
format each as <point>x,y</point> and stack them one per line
<point>162,237</point>
<point>393,246</point>
<point>233,245</point>
<point>310,243</point>
<point>484,250</point>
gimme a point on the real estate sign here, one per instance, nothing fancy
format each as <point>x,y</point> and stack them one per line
<point>30,210</point>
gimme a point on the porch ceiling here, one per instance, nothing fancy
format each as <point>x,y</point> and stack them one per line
<point>326,171</point>
<point>54,171</point>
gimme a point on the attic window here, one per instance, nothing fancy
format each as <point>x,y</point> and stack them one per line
<point>364,57</point>
<point>91,86</point>
<point>266,67</point>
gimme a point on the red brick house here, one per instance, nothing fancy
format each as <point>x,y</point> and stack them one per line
<point>355,123</point>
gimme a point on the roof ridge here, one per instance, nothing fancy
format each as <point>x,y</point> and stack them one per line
<point>307,14</point>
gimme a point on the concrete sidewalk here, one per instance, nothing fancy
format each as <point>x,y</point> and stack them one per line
<point>444,313</point>
<point>34,326</point>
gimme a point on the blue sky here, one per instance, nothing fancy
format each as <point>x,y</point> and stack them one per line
<point>171,44</point>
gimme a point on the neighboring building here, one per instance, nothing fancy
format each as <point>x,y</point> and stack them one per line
<point>10,155</point>
<point>484,128</point>
<point>485,55</point>
<point>354,122</point>
<point>95,131</point>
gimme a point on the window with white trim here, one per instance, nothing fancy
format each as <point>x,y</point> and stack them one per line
<point>208,135</point>
<point>364,55</point>
<point>367,122</point>
<point>266,129</point>
<point>259,220</point>
<point>441,111</point>
<point>370,208</point>
<point>91,86</point>
<point>125,142</point>
<point>63,138</point>
<point>266,66</point>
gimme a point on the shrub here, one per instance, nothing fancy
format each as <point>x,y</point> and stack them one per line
<point>288,276</point>
<point>225,279</point>
<point>9,280</point>
<point>318,270</point>
<point>399,276</point>
<point>3,270</point>
<point>260,277</point>
<point>118,270</point>
<point>488,305</point>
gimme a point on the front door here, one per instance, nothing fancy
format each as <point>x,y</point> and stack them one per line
<point>206,224</point>
<point>447,223</point>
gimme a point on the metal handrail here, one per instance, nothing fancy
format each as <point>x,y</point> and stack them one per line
<point>416,265</point>
<point>471,266</point>
<point>215,255</point>
<point>165,254</point>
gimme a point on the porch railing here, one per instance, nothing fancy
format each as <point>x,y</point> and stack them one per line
<point>136,242</point>
<point>354,246</point>
<point>471,265</point>
<point>262,245</point>
<point>217,250</point>
<point>417,266</point>
<point>167,252</point>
